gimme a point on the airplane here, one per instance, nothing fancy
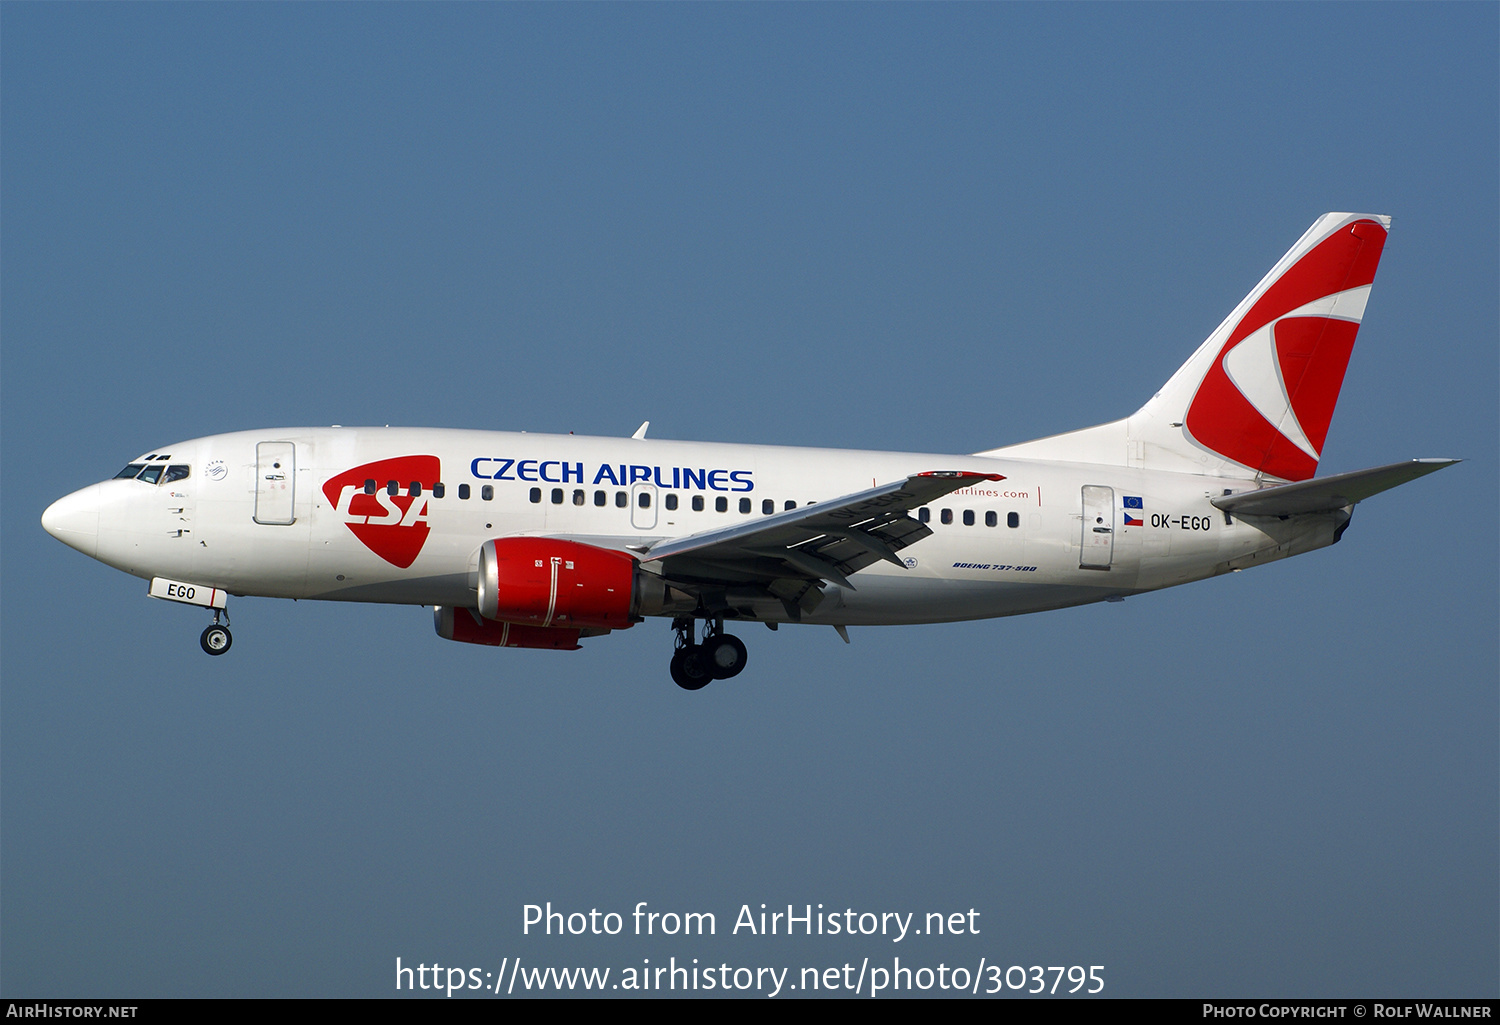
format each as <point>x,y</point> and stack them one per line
<point>539,541</point>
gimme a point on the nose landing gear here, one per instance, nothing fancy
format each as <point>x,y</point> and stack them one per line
<point>719,657</point>
<point>215,638</point>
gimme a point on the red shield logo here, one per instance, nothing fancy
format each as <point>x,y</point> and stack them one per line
<point>392,522</point>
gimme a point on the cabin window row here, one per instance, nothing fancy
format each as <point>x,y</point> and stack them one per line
<point>414,489</point>
<point>991,518</point>
<point>601,499</point>
<point>671,501</point>
<point>579,497</point>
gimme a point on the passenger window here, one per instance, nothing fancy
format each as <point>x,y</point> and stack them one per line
<point>644,500</point>
<point>487,492</point>
<point>946,516</point>
<point>535,496</point>
<point>579,497</point>
<point>130,472</point>
<point>557,496</point>
<point>721,504</point>
<point>968,517</point>
<point>744,505</point>
<point>990,519</point>
<point>924,514</point>
<point>768,507</point>
<point>463,492</point>
<point>415,490</point>
<point>178,472</point>
<point>697,503</point>
<point>438,490</point>
<point>600,499</point>
<point>392,488</point>
<point>151,474</point>
<point>621,500</point>
<point>671,502</point>
<point>1013,519</point>
<point>369,487</point>
<point>790,505</point>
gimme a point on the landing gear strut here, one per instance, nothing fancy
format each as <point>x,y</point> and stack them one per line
<point>719,657</point>
<point>216,639</point>
<point>689,668</point>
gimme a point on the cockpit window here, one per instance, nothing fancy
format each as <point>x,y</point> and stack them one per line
<point>154,474</point>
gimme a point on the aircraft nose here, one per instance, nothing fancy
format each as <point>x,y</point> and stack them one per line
<point>74,520</point>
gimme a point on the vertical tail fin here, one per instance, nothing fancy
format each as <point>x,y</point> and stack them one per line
<point>1259,393</point>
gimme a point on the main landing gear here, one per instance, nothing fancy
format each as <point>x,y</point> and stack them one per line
<point>216,639</point>
<point>719,657</point>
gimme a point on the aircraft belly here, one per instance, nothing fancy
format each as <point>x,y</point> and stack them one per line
<point>445,589</point>
<point>342,569</point>
<point>893,600</point>
<point>957,576</point>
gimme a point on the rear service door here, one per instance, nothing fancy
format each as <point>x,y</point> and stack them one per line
<point>1098,527</point>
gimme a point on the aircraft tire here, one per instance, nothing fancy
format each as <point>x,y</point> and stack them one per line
<point>690,670</point>
<point>216,639</point>
<point>725,656</point>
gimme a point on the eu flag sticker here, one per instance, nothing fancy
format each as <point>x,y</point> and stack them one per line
<point>1133,519</point>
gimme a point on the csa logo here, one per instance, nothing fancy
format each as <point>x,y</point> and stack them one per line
<point>394,527</point>
<point>1267,399</point>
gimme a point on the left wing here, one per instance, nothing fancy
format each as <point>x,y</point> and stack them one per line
<point>791,553</point>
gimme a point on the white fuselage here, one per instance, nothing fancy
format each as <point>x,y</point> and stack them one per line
<point>1021,544</point>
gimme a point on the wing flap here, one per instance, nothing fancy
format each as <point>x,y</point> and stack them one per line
<point>827,541</point>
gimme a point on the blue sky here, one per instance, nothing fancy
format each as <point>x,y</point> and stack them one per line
<point>935,228</point>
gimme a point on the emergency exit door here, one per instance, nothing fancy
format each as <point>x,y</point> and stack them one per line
<point>643,506</point>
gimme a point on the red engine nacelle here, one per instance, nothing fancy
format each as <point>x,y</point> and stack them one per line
<point>547,582</point>
<point>461,625</point>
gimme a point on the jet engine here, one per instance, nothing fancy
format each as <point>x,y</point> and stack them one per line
<point>549,582</point>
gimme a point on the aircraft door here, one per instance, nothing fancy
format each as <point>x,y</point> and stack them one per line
<point>643,506</point>
<point>275,480</point>
<point>1098,527</point>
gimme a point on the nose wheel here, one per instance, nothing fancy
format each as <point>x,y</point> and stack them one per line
<point>719,657</point>
<point>216,638</point>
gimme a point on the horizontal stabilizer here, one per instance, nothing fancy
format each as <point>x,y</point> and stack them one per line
<point>1327,493</point>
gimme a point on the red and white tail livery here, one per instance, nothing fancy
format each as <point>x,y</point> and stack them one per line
<point>1258,395</point>
<point>542,541</point>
